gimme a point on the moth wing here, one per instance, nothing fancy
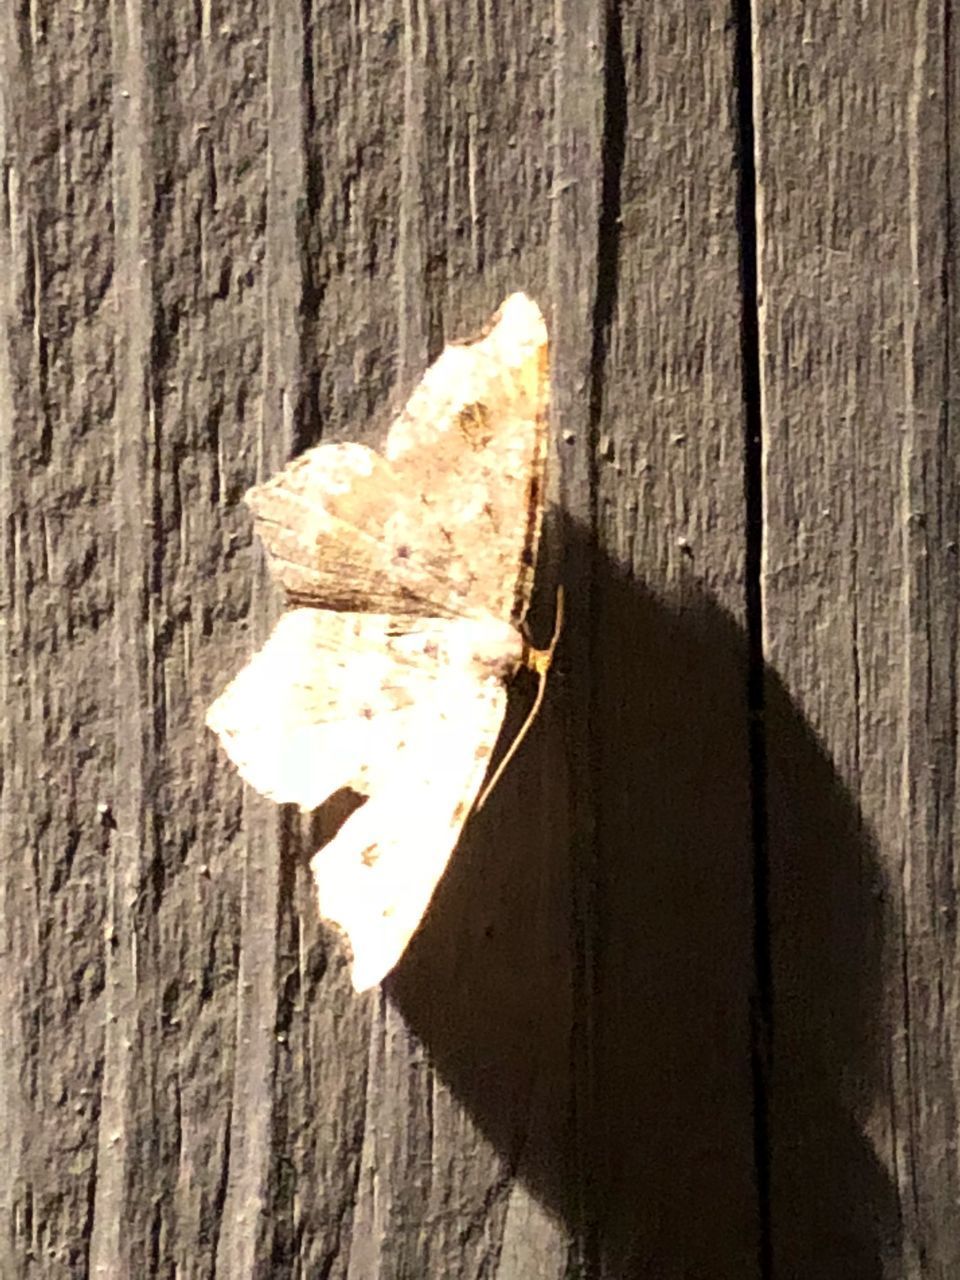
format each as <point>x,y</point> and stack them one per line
<point>446,522</point>
<point>376,877</point>
<point>331,699</point>
<point>344,531</point>
<point>472,439</point>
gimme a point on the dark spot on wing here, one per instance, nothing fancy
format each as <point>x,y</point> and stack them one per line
<point>402,552</point>
<point>473,421</point>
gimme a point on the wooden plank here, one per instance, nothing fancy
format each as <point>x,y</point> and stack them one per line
<point>119,1234</point>
<point>466,1081</point>
<point>860,602</point>
<point>56,475</point>
<point>579,147</point>
<point>248,1231</point>
<point>674,1168</point>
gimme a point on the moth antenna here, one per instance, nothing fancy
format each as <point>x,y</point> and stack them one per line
<point>538,661</point>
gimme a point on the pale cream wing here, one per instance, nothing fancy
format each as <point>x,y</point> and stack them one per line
<point>306,715</point>
<point>329,700</point>
<point>447,522</point>
<point>376,877</point>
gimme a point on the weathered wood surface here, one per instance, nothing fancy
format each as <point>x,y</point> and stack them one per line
<point>686,1003</point>
<point>860,591</point>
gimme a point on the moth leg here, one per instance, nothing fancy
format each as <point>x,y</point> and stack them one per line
<point>539,662</point>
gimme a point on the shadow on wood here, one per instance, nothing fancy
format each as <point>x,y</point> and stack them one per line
<point>668,1177</point>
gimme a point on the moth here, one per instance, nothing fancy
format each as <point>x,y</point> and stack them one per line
<point>408,574</point>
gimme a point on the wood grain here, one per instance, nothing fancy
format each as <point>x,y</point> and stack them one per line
<point>675,1168</point>
<point>860,600</point>
<point>227,232</point>
<point>59,604</point>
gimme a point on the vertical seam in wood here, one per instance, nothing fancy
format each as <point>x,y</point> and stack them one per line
<point>606,284</point>
<point>608,230</point>
<point>256,1208</point>
<point>761,1021</point>
<point>412,321</point>
<point>13,1061</point>
<point>575,218</point>
<point>948,519</point>
<point>312,286</point>
<point>128,1032</point>
<point>912,1118</point>
<point>946,279</point>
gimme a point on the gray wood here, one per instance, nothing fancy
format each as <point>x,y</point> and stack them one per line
<point>673,1128</point>
<point>860,619</point>
<point>230,231</point>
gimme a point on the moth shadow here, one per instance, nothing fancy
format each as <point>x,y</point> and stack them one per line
<point>590,998</point>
